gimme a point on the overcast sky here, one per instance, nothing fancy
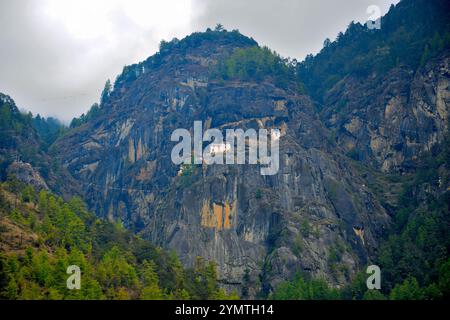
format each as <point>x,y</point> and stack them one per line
<point>55,55</point>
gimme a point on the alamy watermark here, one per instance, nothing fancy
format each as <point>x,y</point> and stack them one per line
<point>374,280</point>
<point>232,148</point>
<point>74,281</point>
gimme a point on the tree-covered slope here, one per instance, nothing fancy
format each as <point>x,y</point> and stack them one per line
<point>411,33</point>
<point>384,93</point>
<point>24,142</point>
<point>41,236</point>
<point>18,139</point>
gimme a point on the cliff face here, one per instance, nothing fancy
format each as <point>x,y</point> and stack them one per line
<point>385,93</point>
<point>320,214</point>
<point>388,120</point>
<point>315,215</point>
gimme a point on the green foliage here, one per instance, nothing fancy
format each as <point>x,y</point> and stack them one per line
<point>298,245</point>
<point>412,33</point>
<point>96,109</point>
<point>374,295</point>
<point>201,281</point>
<point>408,290</point>
<point>414,258</point>
<point>48,129</point>
<point>114,263</point>
<point>256,64</point>
<point>151,289</point>
<point>305,228</point>
<point>219,28</point>
<point>301,289</point>
<point>188,173</point>
<point>24,138</point>
<point>28,194</point>
<point>93,113</point>
<point>417,248</point>
<point>357,289</point>
<point>12,121</point>
<point>106,92</point>
<point>181,47</point>
<point>18,139</point>
<point>245,284</point>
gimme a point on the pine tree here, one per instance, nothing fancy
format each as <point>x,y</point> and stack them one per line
<point>106,92</point>
<point>408,290</point>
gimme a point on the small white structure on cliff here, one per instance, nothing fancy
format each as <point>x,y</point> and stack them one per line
<point>219,148</point>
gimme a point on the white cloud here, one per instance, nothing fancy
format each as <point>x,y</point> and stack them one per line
<point>60,52</point>
<point>293,28</point>
<point>57,54</point>
<point>87,19</point>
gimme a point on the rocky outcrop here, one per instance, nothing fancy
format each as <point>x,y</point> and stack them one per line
<point>26,173</point>
<point>301,219</point>
<point>388,120</point>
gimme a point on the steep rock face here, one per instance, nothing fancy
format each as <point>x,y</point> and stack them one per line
<point>388,120</point>
<point>315,215</point>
